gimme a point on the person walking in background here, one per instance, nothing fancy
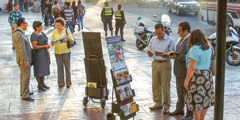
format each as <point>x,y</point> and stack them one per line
<point>199,81</point>
<point>23,57</point>
<point>180,71</point>
<point>13,17</point>
<point>9,5</point>
<point>81,12</point>
<point>161,68</point>
<point>49,5</point>
<point>106,17</point>
<point>26,3</point>
<point>69,15</point>
<point>43,7</point>
<point>75,10</point>
<point>41,55</point>
<point>56,9</point>
<point>62,52</point>
<point>120,21</point>
<point>21,5</point>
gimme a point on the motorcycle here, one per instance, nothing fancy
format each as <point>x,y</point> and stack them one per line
<point>232,51</point>
<point>144,35</point>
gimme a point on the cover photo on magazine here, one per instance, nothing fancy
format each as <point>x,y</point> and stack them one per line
<point>121,76</point>
<point>124,91</point>
<point>115,51</point>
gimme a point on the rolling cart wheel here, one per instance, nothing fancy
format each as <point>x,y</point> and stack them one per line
<point>110,116</point>
<point>85,101</point>
<point>103,102</point>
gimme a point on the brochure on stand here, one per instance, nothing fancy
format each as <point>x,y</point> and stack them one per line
<point>115,51</point>
<point>124,91</point>
<point>129,108</point>
<point>121,76</point>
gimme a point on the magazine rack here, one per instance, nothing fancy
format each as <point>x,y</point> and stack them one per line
<point>118,102</point>
<point>95,69</point>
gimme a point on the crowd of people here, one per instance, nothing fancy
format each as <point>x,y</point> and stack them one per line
<point>192,56</point>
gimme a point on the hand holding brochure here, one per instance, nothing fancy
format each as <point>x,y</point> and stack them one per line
<point>165,55</point>
<point>61,40</point>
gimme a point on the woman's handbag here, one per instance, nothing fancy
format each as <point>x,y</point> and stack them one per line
<point>69,45</point>
<point>213,63</point>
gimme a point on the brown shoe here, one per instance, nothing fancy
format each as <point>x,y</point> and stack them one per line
<point>181,112</point>
<point>166,111</point>
<point>155,107</point>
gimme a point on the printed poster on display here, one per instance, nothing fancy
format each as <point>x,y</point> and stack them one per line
<point>129,108</point>
<point>124,91</point>
<point>116,54</point>
<point>121,76</point>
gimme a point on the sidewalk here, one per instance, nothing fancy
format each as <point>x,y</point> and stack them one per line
<point>66,103</point>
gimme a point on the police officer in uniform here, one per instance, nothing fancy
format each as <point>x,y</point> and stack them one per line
<point>107,14</point>
<point>120,21</point>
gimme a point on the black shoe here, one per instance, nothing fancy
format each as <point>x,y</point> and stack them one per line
<point>177,112</point>
<point>123,40</point>
<point>31,93</point>
<point>68,86</point>
<point>60,86</point>
<point>13,48</point>
<point>187,118</point>
<point>166,111</point>
<point>82,28</point>
<point>28,99</point>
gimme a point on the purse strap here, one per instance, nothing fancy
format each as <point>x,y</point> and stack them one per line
<point>66,32</point>
<point>212,57</point>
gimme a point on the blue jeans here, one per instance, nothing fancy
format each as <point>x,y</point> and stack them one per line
<point>49,16</point>
<point>70,24</point>
<point>80,20</point>
<point>21,6</point>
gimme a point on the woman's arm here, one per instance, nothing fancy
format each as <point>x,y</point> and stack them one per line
<point>35,46</point>
<point>190,71</point>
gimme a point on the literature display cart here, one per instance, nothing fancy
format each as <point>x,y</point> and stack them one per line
<point>95,69</point>
<point>123,104</point>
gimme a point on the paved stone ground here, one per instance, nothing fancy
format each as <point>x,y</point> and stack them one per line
<point>66,103</point>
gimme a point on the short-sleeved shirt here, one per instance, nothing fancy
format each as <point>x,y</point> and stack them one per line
<point>202,57</point>
<point>68,12</point>
<point>14,16</point>
<point>165,45</point>
<point>49,5</point>
<point>80,9</point>
<point>61,48</point>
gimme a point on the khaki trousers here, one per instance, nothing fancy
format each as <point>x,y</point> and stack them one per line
<point>161,77</point>
<point>24,80</point>
<point>15,26</point>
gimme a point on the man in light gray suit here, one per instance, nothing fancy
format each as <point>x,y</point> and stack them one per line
<point>180,69</point>
<point>23,57</point>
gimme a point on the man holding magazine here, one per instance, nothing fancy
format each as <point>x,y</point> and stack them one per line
<point>161,68</point>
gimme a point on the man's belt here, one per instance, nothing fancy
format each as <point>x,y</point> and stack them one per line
<point>161,61</point>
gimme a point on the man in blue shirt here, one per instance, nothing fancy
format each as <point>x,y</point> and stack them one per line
<point>161,68</point>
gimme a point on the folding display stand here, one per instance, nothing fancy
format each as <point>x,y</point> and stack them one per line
<point>95,69</point>
<point>123,105</point>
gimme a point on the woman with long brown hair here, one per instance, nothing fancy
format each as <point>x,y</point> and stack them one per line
<point>199,82</point>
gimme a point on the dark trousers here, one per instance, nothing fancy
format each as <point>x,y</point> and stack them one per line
<point>47,17</point>
<point>109,23</point>
<point>181,92</point>
<point>119,24</point>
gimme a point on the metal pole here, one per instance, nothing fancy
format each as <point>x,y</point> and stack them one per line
<point>220,63</point>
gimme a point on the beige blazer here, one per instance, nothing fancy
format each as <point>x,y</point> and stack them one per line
<point>22,46</point>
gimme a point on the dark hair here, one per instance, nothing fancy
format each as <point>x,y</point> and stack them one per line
<point>55,2</point>
<point>65,3</point>
<point>73,4</point>
<point>60,20</point>
<point>36,24</point>
<point>68,4</point>
<point>15,4</point>
<point>105,3</point>
<point>159,25</point>
<point>79,2</point>
<point>197,37</point>
<point>119,6</point>
<point>185,26</point>
<point>20,21</point>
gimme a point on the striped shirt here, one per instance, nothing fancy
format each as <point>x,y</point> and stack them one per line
<point>68,12</point>
<point>14,16</point>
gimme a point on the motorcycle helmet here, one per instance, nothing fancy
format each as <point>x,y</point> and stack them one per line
<point>139,17</point>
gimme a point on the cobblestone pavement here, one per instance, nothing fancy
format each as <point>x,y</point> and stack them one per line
<point>66,103</point>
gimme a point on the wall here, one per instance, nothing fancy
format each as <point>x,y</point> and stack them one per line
<point>2,3</point>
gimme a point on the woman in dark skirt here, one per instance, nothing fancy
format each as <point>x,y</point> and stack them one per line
<point>41,55</point>
<point>199,82</point>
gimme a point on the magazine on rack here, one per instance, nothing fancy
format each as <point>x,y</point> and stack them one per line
<point>129,108</point>
<point>121,76</point>
<point>124,91</point>
<point>115,51</point>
